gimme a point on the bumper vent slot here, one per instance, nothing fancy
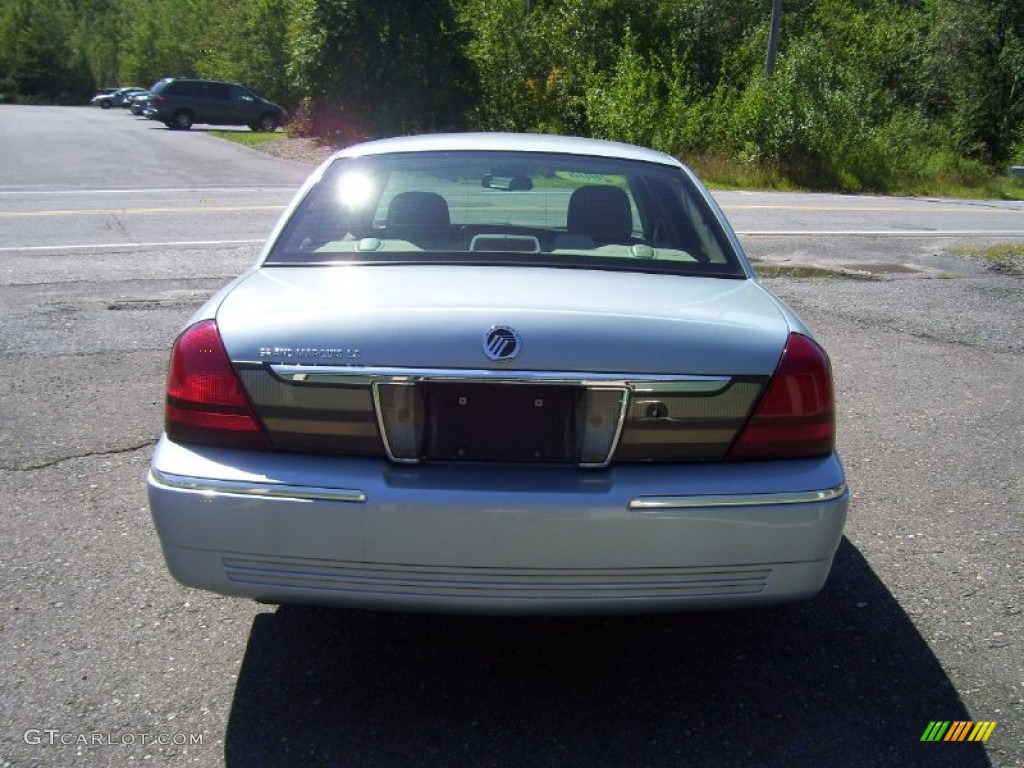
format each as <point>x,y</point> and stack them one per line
<point>426,581</point>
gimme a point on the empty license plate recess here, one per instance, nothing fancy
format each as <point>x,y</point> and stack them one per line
<point>500,422</point>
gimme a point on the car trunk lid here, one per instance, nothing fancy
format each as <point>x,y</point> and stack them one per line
<point>394,360</point>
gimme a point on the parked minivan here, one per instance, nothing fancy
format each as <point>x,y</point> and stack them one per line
<point>179,102</point>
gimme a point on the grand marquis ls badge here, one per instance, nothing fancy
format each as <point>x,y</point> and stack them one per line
<point>502,343</point>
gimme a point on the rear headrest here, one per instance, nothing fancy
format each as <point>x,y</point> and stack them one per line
<point>601,211</point>
<point>418,210</point>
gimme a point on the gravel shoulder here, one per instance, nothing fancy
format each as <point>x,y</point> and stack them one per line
<point>299,150</point>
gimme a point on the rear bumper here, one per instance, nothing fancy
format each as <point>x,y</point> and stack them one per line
<point>496,539</point>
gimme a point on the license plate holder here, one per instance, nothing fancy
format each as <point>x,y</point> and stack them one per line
<point>500,422</point>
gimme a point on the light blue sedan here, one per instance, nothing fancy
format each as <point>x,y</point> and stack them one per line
<point>493,373</point>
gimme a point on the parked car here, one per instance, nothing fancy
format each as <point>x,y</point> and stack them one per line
<point>137,102</point>
<point>499,373</point>
<point>101,94</point>
<point>115,98</point>
<point>181,102</point>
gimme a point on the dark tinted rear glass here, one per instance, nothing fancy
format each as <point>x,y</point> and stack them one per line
<point>218,91</point>
<point>182,88</point>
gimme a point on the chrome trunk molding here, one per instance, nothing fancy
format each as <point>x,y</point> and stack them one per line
<point>352,374</point>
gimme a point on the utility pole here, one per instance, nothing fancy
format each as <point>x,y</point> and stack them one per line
<point>773,38</point>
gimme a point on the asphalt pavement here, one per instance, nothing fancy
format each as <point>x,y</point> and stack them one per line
<point>107,661</point>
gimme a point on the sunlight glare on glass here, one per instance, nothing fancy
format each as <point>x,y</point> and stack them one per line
<point>355,189</point>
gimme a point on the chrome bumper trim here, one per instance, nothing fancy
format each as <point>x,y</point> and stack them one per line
<point>655,504</point>
<point>264,490</point>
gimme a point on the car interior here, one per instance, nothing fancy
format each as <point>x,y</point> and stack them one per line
<point>582,212</point>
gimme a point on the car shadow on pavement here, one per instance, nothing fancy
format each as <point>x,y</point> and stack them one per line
<point>843,680</point>
<point>156,125</point>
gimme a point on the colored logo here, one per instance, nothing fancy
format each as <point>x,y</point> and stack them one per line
<point>958,730</point>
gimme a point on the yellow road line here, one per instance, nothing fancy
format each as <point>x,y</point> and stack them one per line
<point>142,211</point>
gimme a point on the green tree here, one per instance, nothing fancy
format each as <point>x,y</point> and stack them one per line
<point>865,90</point>
<point>36,57</point>
<point>162,38</point>
<point>98,29</point>
<point>246,41</point>
<point>812,121</point>
<point>976,57</point>
<point>534,60</point>
<point>379,67</point>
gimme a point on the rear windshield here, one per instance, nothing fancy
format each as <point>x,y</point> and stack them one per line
<point>506,208</point>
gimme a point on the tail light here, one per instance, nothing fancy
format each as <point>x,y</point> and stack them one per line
<point>795,417</point>
<point>158,100</point>
<point>205,399</point>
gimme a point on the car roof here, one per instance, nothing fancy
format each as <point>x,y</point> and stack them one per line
<point>194,80</point>
<point>167,80</point>
<point>508,142</point>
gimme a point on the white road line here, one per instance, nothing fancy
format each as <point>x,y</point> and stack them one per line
<point>146,190</point>
<point>106,246</point>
